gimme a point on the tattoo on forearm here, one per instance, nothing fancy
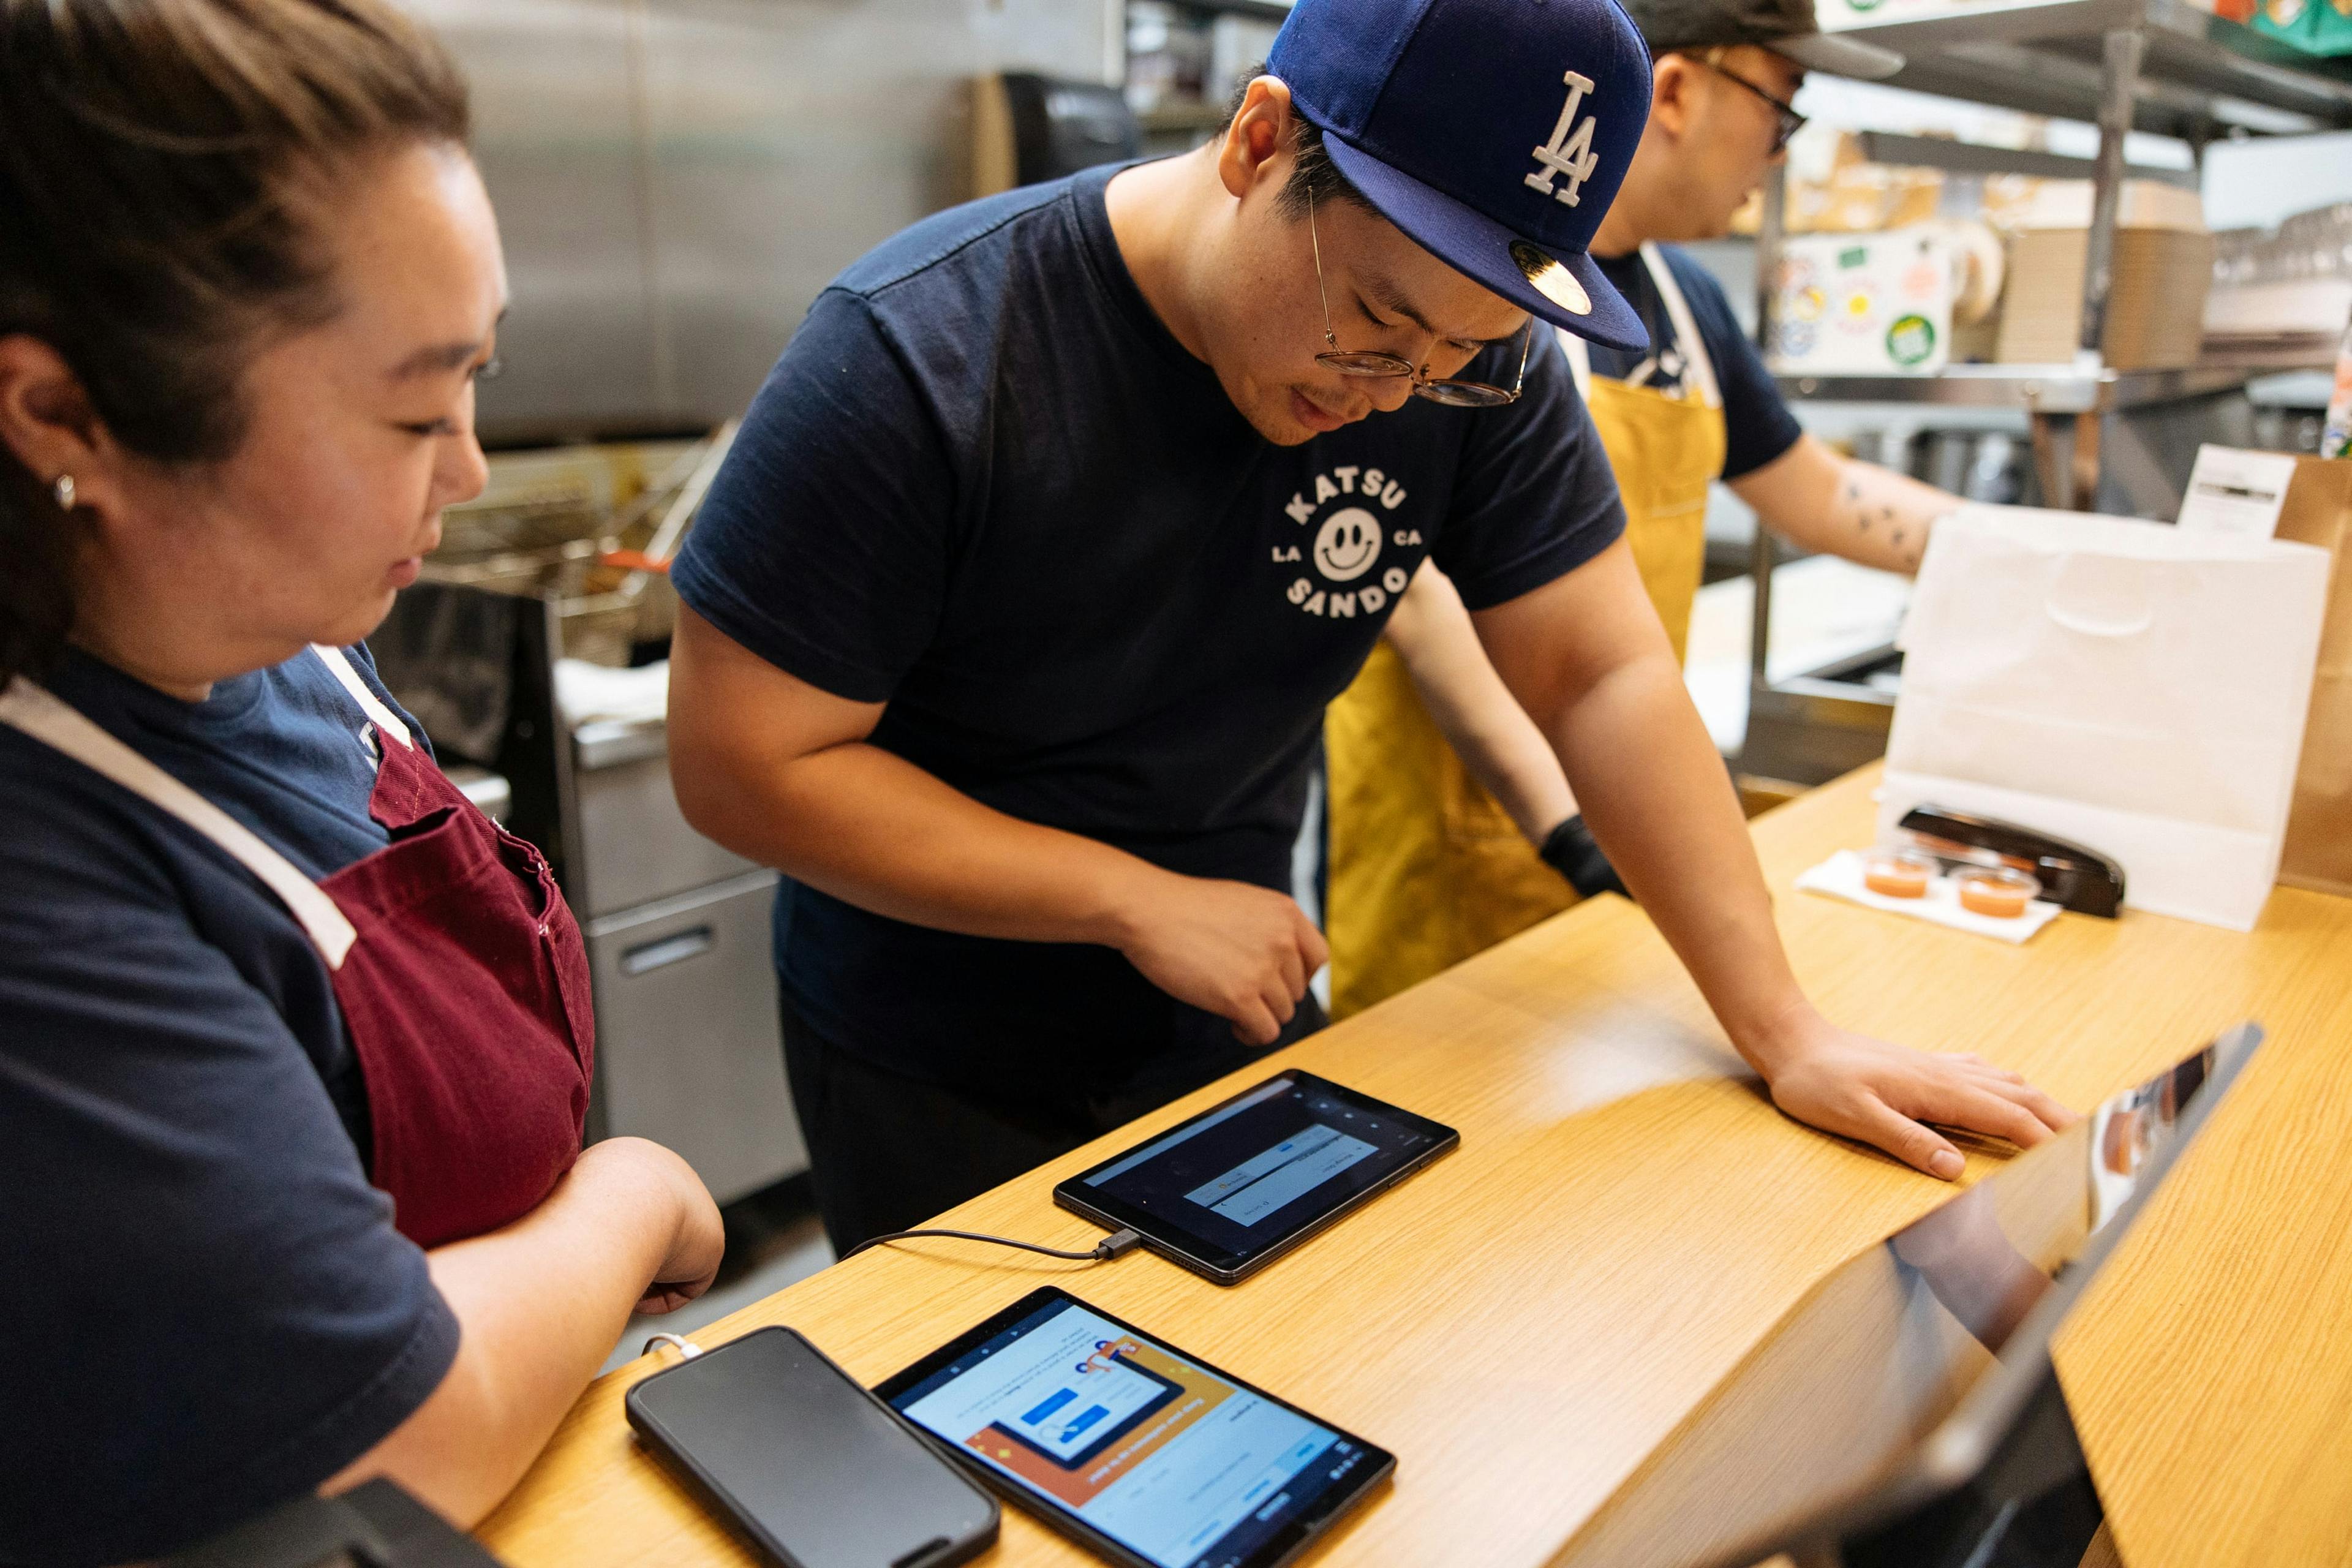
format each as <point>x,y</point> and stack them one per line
<point>1869,512</point>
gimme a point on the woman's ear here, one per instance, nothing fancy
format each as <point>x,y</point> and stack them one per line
<point>47,421</point>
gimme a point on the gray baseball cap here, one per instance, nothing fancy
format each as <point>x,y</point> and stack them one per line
<point>1786,27</point>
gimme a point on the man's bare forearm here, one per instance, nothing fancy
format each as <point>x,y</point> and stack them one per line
<point>780,771</point>
<point>1840,506</point>
<point>1655,793</point>
<point>1879,516</point>
<point>875,830</point>
<point>1586,654</point>
<point>1474,710</point>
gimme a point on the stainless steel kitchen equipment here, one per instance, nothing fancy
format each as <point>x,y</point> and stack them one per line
<point>676,179</point>
<point>689,1052</point>
<point>490,792</point>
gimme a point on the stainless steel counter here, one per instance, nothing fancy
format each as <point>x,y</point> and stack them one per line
<point>676,179</point>
<point>690,1051</point>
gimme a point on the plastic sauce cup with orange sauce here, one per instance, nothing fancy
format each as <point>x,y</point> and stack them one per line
<point>1897,873</point>
<point>1996,891</point>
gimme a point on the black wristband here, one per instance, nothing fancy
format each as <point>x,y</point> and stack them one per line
<point>1570,850</point>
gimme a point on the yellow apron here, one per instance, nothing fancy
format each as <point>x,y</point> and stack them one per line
<point>1426,868</point>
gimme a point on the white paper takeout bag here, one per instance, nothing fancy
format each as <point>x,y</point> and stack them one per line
<point>2119,683</point>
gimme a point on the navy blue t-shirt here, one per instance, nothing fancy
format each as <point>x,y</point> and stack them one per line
<point>985,486</point>
<point>226,1316</point>
<point>1757,426</point>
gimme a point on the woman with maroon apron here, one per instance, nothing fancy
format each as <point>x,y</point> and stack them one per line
<point>458,966</point>
<point>295,1043</point>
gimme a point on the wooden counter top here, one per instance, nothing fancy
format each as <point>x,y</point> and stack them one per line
<point>1628,1216</point>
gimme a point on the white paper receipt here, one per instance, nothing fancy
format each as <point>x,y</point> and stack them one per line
<point>2236,491</point>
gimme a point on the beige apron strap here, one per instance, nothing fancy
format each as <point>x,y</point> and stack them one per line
<point>34,711</point>
<point>387,722</point>
<point>1580,361</point>
<point>1678,312</point>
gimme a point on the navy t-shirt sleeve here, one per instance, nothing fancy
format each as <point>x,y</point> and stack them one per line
<point>238,1319</point>
<point>1757,426</point>
<point>1534,498</point>
<point>823,545</point>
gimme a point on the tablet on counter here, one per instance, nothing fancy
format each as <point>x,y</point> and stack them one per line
<point>1236,1186</point>
<point>1148,1455</point>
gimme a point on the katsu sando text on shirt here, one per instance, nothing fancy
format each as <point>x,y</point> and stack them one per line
<point>1349,535</point>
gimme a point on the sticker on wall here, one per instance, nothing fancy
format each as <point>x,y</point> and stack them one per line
<point>1911,340</point>
<point>1796,338</point>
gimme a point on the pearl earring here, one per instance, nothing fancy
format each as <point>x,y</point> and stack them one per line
<point>64,492</point>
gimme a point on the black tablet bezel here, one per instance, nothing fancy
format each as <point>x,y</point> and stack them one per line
<point>1224,1266</point>
<point>1295,1537</point>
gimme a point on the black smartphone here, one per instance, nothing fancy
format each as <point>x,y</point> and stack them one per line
<point>805,1463</point>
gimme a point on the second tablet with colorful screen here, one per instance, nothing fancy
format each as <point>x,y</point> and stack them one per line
<point>1148,1455</point>
<point>1232,1189</point>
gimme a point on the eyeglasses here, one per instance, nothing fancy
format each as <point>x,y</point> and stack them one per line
<point>1789,121</point>
<point>1375,363</point>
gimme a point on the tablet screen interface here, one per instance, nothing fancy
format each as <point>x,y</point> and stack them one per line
<point>1183,1466</point>
<point>1257,1168</point>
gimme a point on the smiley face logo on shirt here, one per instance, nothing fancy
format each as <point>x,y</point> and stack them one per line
<point>1361,531</point>
<point>1346,544</point>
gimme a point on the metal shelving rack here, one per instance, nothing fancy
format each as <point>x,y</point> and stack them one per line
<point>2156,66</point>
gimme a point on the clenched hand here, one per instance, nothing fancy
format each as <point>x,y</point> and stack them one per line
<point>1242,952</point>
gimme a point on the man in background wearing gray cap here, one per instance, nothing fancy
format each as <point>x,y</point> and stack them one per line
<point>1695,406</point>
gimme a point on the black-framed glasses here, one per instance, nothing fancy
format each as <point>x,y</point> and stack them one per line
<point>1789,122</point>
<point>1377,363</point>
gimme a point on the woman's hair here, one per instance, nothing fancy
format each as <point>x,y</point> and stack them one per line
<point>162,167</point>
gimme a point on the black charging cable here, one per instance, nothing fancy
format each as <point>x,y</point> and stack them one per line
<point>1116,1243</point>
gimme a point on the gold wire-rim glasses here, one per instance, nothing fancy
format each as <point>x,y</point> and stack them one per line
<point>1379,364</point>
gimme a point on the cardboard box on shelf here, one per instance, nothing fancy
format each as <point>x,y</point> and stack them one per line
<point>2155,301</point>
<point>2145,203</point>
<point>1843,193</point>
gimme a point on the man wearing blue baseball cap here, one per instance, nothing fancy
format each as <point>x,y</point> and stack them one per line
<point>1437,778</point>
<point>1010,622</point>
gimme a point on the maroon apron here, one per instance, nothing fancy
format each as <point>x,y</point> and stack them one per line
<point>458,967</point>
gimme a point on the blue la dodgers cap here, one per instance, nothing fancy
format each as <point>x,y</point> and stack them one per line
<point>1493,133</point>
